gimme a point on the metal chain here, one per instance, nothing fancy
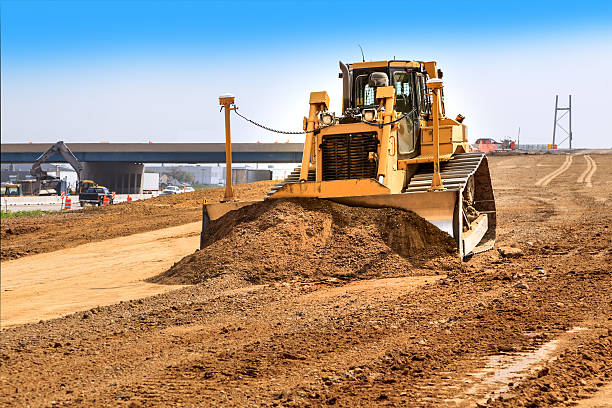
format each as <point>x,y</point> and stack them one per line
<point>380,125</point>
<point>274,130</point>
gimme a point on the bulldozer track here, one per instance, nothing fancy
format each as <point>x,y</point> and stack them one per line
<point>293,177</point>
<point>587,174</point>
<point>455,173</point>
<point>544,181</point>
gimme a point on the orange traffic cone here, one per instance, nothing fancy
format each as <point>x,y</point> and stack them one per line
<point>68,204</point>
<point>106,201</point>
<point>129,199</point>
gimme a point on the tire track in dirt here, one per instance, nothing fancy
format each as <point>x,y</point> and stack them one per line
<point>586,171</point>
<point>544,181</point>
<point>587,174</point>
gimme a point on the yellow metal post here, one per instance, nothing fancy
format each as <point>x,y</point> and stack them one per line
<point>318,101</point>
<point>435,85</point>
<point>227,100</point>
<point>386,94</point>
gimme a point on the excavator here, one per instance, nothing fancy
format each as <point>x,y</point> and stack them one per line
<point>45,180</point>
<point>392,146</point>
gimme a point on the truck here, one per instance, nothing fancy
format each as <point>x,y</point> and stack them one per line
<point>150,182</point>
<point>95,196</point>
<point>487,145</point>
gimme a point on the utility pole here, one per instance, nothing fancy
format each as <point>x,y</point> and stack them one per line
<point>555,122</point>
<point>570,122</point>
<point>567,111</point>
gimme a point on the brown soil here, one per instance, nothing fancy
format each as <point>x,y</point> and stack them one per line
<point>49,232</point>
<point>577,372</point>
<point>312,239</point>
<point>434,336</point>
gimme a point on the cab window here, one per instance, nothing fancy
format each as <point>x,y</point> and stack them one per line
<point>364,93</point>
<point>403,91</point>
<point>423,100</point>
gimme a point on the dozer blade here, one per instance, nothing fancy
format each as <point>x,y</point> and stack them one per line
<point>436,207</point>
<point>444,209</point>
<point>214,211</point>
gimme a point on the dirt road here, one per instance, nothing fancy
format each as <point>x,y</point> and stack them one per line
<point>49,285</point>
<point>532,330</point>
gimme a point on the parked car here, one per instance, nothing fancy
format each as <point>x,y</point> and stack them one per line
<point>189,189</point>
<point>171,190</point>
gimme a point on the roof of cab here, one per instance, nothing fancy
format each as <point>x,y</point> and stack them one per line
<point>384,64</point>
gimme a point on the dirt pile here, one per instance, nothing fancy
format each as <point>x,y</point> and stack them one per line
<point>49,232</point>
<point>312,239</point>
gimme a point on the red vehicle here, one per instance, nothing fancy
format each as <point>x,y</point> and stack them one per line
<point>487,145</point>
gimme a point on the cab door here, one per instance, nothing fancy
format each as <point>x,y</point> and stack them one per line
<point>406,104</point>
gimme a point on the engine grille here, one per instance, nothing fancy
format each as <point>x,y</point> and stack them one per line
<point>345,156</point>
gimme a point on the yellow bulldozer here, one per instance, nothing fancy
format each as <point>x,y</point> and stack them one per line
<point>392,146</point>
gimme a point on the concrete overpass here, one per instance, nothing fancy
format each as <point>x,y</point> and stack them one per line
<point>119,166</point>
<point>158,152</point>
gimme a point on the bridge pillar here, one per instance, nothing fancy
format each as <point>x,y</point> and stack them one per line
<point>120,177</point>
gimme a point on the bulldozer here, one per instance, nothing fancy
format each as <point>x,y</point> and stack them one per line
<point>392,146</point>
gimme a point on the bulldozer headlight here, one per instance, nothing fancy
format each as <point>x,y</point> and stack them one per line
<point>369,115</point>
<point>326,118</point>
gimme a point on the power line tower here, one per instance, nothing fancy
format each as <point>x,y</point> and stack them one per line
<point>568,110</point>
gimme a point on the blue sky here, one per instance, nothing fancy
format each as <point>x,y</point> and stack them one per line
<point>138,71</point>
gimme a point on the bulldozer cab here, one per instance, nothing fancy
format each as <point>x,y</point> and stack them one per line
<point>411,98</point>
